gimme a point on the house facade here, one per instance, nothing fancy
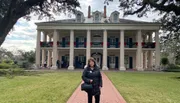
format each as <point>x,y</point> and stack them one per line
<point>114,43</point>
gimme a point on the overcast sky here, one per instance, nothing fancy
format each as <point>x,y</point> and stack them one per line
<point>24,34</point>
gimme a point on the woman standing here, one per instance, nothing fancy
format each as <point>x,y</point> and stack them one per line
<point>92,75</point>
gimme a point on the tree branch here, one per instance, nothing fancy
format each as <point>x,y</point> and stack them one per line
<point>168,8</point>
<point>137,11</point>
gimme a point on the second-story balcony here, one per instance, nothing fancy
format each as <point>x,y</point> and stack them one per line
<point>148,44</point>
<point>130,44</point>
<point>46,44</point>
<point>113,45</point>
<point>80,44</point>
<point>97,44</point>
<point>63,44</point>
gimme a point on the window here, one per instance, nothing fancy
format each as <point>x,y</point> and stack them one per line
<point>67,39</point>
<point>112,59</point>
<point>81,58</point>
<point>112,40</point>
<point>126,61</point>
<point>78,17</point>
<point>115,19</point>
<point>96,17</point>
<point>66,57</point>
<point>81,39</point>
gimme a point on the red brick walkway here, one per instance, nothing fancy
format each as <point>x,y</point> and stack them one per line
<point>109,94</point>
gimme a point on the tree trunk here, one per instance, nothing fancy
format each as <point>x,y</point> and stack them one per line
<point>7,24</point>
<point>8,21</point>
<point>11,17</point>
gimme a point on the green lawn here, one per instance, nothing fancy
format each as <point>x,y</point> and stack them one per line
<point>141,87</point>
<point>40,88</point>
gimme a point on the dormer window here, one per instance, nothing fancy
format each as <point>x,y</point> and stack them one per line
<point>96,18</point>
<point>115,18</point>
<point>78,17</point>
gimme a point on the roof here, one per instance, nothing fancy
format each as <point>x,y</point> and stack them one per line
<point>73,21</point>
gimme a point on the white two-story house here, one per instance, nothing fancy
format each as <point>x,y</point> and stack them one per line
<point>115,43</point>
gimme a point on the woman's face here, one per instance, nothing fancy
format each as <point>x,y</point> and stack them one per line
<point>91,63</point>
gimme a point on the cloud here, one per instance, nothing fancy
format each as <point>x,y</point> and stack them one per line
<point>24,34</point>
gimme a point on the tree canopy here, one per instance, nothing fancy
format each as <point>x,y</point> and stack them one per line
<point>12,10</point>
<point>168,10</point>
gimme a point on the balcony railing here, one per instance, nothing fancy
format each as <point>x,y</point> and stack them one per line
<point>113,45</point>
<point>96,44</point>
<point>80,44</point>
<point>99,44</point>
<point>130,45</point>
<point>148,45</point>
<point>63,44</point>
<point>46,44</point>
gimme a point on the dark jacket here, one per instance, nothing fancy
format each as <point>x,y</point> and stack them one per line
<point>95,75</point>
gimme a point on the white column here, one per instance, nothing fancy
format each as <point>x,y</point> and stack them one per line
<point>143,52</point>
<point>49,38</point>
<point>38,49</point>
<point>71,53</point>
<point>139,52</point>
<point>105,50</point>
<point>88,46</point>
<point>145,59</point>
<point>150,56</point>
<point>44,51</point>
<point>49,58</point>
<point>122,50</point>
<point>60,58</point>
<point>49,55</point>
<point>54,66</point>
<point>157,50</point>
<point>57,45</point>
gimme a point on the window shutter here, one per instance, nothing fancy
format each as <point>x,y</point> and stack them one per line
<point>117,62</point>
<point>63,42</point>
<point>117,41</point>
<point>109,43</point>
<point>77,42</point>
<point>85,42</point>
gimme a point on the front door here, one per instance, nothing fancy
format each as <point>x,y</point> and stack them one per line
<point>130,62</point>
<point>97,58</point>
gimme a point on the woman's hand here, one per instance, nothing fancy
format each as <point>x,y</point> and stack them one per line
<point>91,81</point>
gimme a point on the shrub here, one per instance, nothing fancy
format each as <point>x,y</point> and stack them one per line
<point>25,64</point>
<point>8,61</point>
<point>164,61</point>
<point>31,59</point>
<point>5,66</point>
<point>173,66</point>
<point>10,73</point>
<point>15,62</point>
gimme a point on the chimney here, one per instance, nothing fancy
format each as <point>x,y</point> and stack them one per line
<point>104,11</point>
<point>89,12</point>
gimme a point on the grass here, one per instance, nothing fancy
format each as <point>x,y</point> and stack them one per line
<point>39,88</point>
<point>141,87</point>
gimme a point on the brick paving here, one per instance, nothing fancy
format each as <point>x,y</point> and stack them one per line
<point>109,93</point>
